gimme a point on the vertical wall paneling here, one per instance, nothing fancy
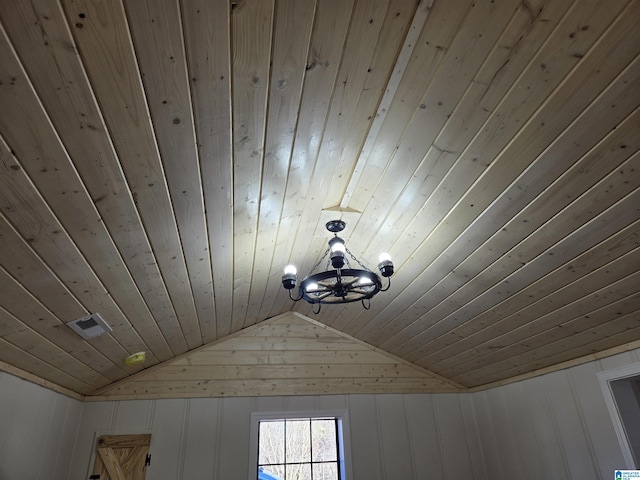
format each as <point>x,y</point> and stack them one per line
<point>96,417</point>
<point>423,433</point>
<point>333,402</point>
<point>487,435</point>
<point>64,417</point>
<point>555,425</point>
<point>452,432</point>
<point>551,450</point>
<point>167,439</point>
<point>524,462</point>
<point>201,445</point>
<point>506,444</point>
<point>36,425</point>
<point>570,428</point>
<point>234,424</point>
<point>394,437</point>
<point>472,437</point>
<point>365,441</point>
<point>268,404</point>
<point>133,416</point>
<point>301,404</point>
<point>552,426</point>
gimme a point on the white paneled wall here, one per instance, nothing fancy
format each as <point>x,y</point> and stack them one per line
<point>37,430</point>
<point>392,436</point>
<point>553,426</point>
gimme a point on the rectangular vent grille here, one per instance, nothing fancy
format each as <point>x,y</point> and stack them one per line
<point>90,326</point>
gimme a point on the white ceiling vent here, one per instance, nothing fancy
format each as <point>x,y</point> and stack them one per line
<point>90,326</point>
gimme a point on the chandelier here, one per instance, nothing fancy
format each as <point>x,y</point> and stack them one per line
<point>342,283</point>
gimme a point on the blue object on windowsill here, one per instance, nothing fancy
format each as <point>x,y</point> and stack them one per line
<point>266,476</point>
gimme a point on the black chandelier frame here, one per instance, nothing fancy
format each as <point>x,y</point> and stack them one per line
<point>338,284</point>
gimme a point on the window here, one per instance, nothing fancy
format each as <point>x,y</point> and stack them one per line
<point>298,447</point>
<point>626,393</point>
<point>621,388</point>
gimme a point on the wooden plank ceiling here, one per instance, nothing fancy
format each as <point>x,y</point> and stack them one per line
<point>285,355</point>
<point>162,160</point>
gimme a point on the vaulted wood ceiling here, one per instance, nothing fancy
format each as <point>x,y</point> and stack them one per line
<point>162,160</point>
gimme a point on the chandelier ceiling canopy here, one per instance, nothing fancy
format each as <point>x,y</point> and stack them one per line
<point>340,282</point>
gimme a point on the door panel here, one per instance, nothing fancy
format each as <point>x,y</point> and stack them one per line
<point>121,457</point>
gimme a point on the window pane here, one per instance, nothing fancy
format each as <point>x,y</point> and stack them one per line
<point>325,471</point>
<point>273,472</point>
<point>298,448</point>
<point>299,472</point>
<point>298,441</point>
<point>271,442</point>
<point>324,440</point>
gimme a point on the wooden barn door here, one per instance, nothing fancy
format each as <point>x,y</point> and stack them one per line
<point>122,457</point>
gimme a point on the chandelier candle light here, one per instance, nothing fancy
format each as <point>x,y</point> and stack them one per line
<point>339,284</point>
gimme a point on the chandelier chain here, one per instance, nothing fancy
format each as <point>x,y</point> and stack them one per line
<point>319,261</point>
<point>353,257</point>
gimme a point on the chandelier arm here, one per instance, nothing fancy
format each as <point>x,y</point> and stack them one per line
<point>367,305</point>
<point>388,285</point>
<point>313,308</point>
<point>294,299</point>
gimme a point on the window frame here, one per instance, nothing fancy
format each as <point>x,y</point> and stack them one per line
<point>344,450</point>
<point>605,378</point>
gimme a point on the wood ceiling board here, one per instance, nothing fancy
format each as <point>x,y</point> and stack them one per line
<point>591,272</point>
<point>61,85</point>
<point>252,36</point>
<point>287,355</point>
<point>208,53</point>
<point>572,320</point>
<point>202,146</point>
<point>393,28</point>
<point>43,232</point>
<point>31,315</point>
<point>288,67</point>
<point>625,324</point>
<point>481,195</point>
<point>612,187</point>
<point>21,336</point>
<point>283,371</point>
<point>422,11</point>
<point>158,40</point>
<point>33,275</point>
<point>331,23</point>
<point>614,183</point>
<point>558,255</point>
<point>16,355</point>
<point>434,40</point>
<point>104,42</point>
<point>451,183</point>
